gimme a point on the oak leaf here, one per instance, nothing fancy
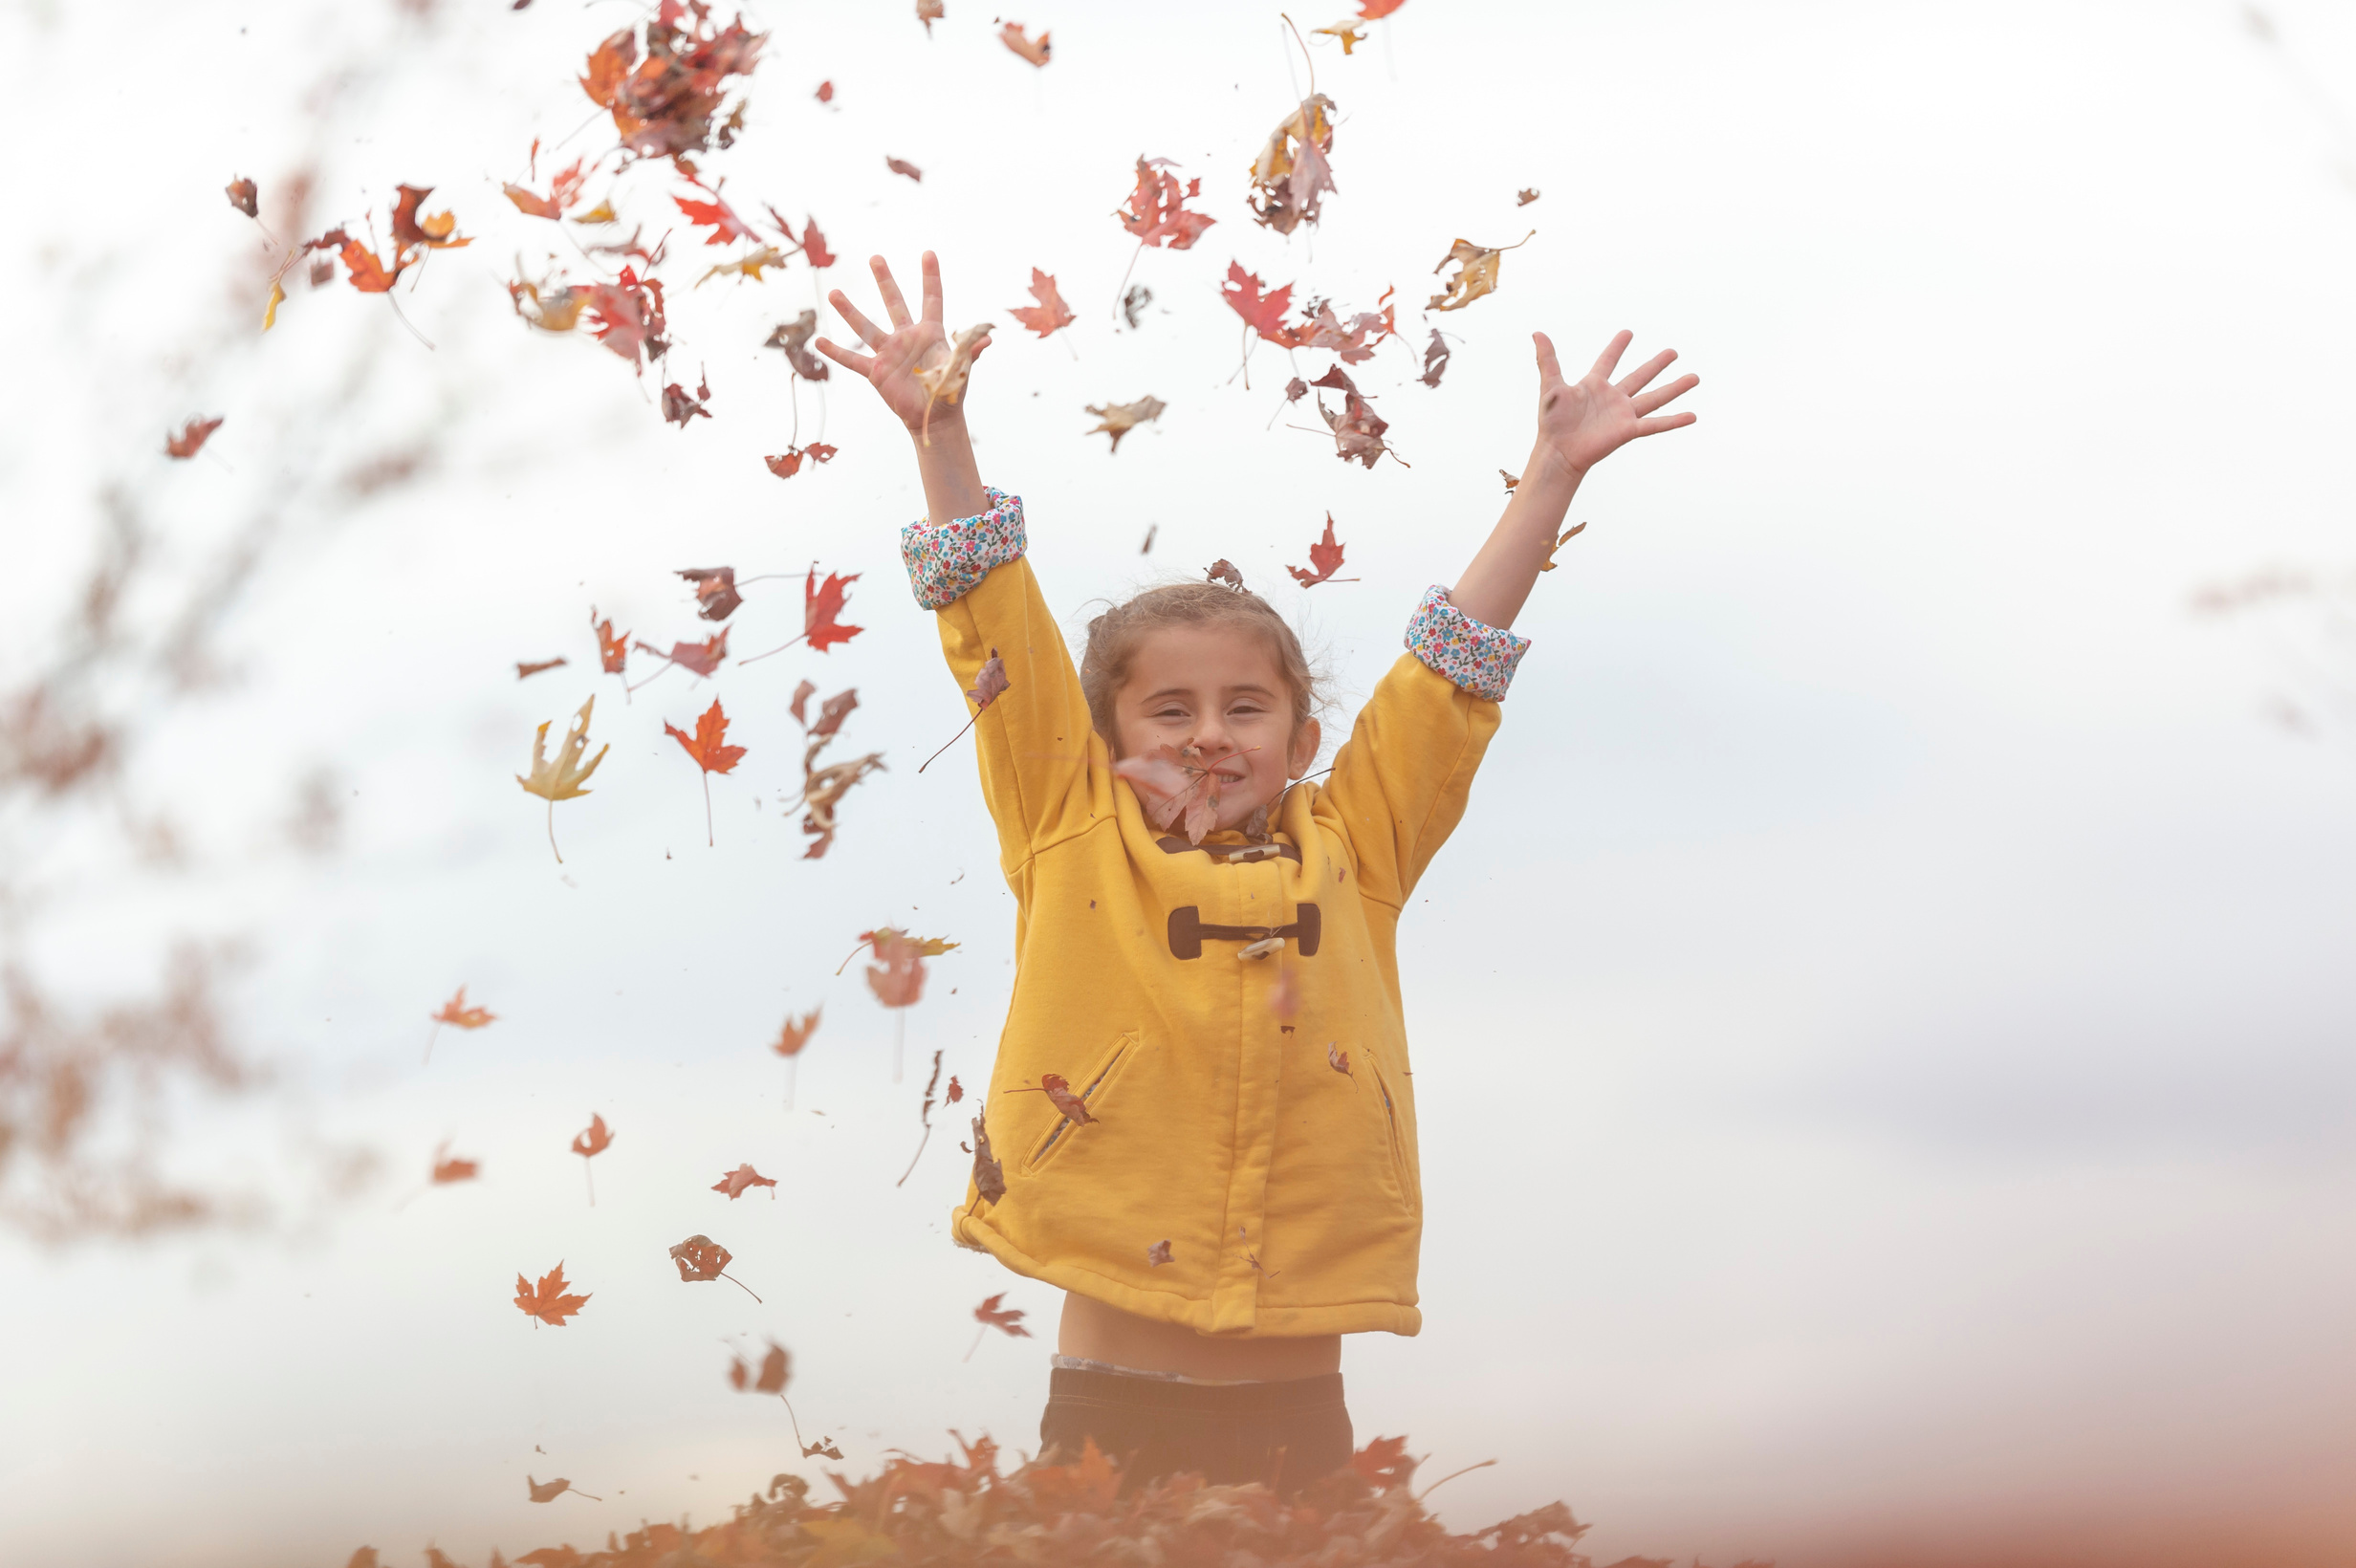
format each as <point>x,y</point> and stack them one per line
<point>1050,315</point>
<point>547,1301</point>
<point>1324,554</point>
<point>1477,268</point>
<point>1156,210</point>
<point>901,166</point>
<point>1034,50</point>
<point>793,337</point>
<point>1119,418</point>
<point>191,438</point>
<point>1291,175</point>
<point>561,777</point>
<point>737,1182</point>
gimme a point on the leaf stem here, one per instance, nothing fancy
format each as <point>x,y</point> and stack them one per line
<point>747,1290</point>
<point>977,1341</point>
<point>1450,1476</point>
<point>780,649</point>
<point>551,849</point>
<point>913,1158</point>
<point>708,842</point>
<point>945,746</point>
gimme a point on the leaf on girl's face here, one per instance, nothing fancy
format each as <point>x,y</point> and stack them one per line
<point>613,651</point>
<point>1477,268</point>
<point>1008,1320</point>
<point>561,777</point>
<point>1035,50</point>
<point>715,590</point>
<point>1156,210</point>
<point>1119,418</point>
<point>740,1180</point>
<point>796,1034</point>
<point>793,337</point>
<point>679,407</point>
<point>1324,554</point>
<point>901,166</point>
<point>701,658</point>
<point>1171,780</point>
<point>822,604</point>
<point>1157,1255</point>
<point>447,1170</point>
<point>592,1138</point>
<point>777,1369</point>
<point>1291,175</point>
<point>700,1258</point>
<point>191,438</point>
<point>524,671</point>
<point>456,1014</point>
<point>547,1300</point>
<point>1059,1091</point>
<point>245,196</point>
<point>991,682</point>
<point>1050,315</point>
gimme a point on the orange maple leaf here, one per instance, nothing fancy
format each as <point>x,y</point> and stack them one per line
<point>738,1182</point>
<point>613,651</point>
<point>797,1033</point>
<point>1034,50</point>
<point>455,1012</point>
<point>191,438</point>
<point>716,216</point>
<point>710,749</point>
<point>821,604</point>
<point>1156,210</point>
<point>547,1301</point>
<point>1050,315</point>
<point>1326,555</point>
<point>1008,1320</point>
<point>588,1141</point>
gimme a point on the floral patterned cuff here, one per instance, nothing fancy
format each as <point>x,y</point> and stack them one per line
<point>949,561</point>
<point>1479,658</point>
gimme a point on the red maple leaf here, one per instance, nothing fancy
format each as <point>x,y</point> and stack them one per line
<point>827,91</point>
<point>1050,314</point>
<point>701,658</point>
<point>547,1300</point>
<point>1326,555</point>
<point>821,604</point>
<point>737,1182</point>
<point>192,436</point>
<point>1262,312</point>
<point>629,316</point>
<point>813,246</point>
<point>1374,11</point>
<point>710,749</point>
<point>1008,1320</point>
<point>1155,212</point>
<point>716,216</point>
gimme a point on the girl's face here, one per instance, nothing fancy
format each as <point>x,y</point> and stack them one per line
<point>1221,690</point>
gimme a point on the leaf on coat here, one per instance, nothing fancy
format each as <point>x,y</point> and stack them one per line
<point>548,1492</point>
<point>795,1033</point>
<point>458,1016</point>
<point>1119,418</point>
<point>715,590</point>
<point>561,192</point>
<point>1284,996</point>
<point>737,1182</point>
<point>1034,50</point>
<point>701,658</point>
<point>901,166</point>
<point>1058,1089</point>
<point>447,1170</point>
<point>1291,175</point>
<point>1324,554</point>
<point>561,777</point>
<point>991,682</point>
<point>700,1259</point>
<point>1436,355</point>
<point>1156,210</point>
<point>524,671</point>
<point>245,196</point>
<point>1171,780</point>
<point>547,1301</point>
<point>1337,1059</point>
<point>1224,571</point>
<point>1006,1319</point>
<point>1157,1255</point>
<point>191,438</point>
<point>989,1176</point>
<point>1476,272</point>
<point>777,1369</point>
<point>1525,196</point>
<point>679,407</point>
<point>594,1138</point>
<point>793,339</point>
<point>1050,315</point>
<point>898,977</point>
<point>1568,534</point>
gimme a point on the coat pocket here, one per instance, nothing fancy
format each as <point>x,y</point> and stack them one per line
<point>1401,1168</point>
<point>1093,1091</point>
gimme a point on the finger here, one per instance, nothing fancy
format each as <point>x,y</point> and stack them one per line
<point>1666,422</point>
<point>1609,360</point>
<point>1671,393</point>
<point>932,289</point>
<point>861,364</point>
<point>1637,379</point>
<point>868,332</point>
<point>894,306</point>
<point>1549,368</point>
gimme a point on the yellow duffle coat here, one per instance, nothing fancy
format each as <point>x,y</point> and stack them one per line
<point>1288,1190</point>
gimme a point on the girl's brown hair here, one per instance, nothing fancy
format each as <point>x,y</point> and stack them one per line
<point>1113,640</point>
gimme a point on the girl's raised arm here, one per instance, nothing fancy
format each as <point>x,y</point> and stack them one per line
<point>944,455</point>
<point>1579,425</point>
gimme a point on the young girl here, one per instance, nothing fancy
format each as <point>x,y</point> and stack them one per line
<point>1200,1124</point>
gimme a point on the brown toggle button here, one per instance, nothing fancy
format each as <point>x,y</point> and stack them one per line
<point>1234,853</point>
<point>1188,933</point>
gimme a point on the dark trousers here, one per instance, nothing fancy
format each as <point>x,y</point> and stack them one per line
<point>1283,1434</point>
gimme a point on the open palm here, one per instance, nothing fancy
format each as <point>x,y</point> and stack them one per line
<point>910,345</point>
<point>1581,422</point>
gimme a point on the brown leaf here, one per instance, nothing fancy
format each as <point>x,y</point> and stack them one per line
<point>989,1176</point>
<point>525,671</point>
<point>1337,1059</point>
<point>1436,355</point>
<point>1476,272</point>
<point>700,1259</point>
<point>549,1492</point>
<point>1525,196</point>
<point>901,166</point>
<point>1006,1319</point>
<point>898,977</point>
<point>991,682</point>
<point>594,1138</point>
<point>1058,1089</point>
<point>955,1093</point>
<point>703,658</point>
<point>827,91</point>
<point>1119,418</point>
<point>1511,480</point>
<point>1156,210</point>
<point>678,407</point>
<point>715,590</point>
<point>1224,571</point>
<point>245,196</point>
<point>1291,175</point>
<point>1034,50</point>
<point>930,12</point>
<point>793,337</point>
<point>1157,1255</point>
<point>445,1171</point>
<point>547,1301</point>
<point>946,382</point>
<point>737,1182</point>
<point>191,438</point>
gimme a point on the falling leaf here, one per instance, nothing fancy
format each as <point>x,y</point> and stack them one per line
<point>777,1369</point>
<point>245,196</point>
<point>1050,315</point>
<point>1338,1059</point>
<point>821,798</point>
<point>1262,312</point>
<point>524,671</point>
<point>445,1171</point>
<point>1011,35</point>
<point>946,382</point>
<point>1134,302</point>
<point>1436,355</point>
<point>1476,272</point>
<point>701,658</point>
<point>737,1182</point>
<point>796,1034</point>
<point>1568,534</point>
<point>1524,197</point>
<point>831,712</point>
<point>678,407</point>
<point>1157,1255</point>
<point>788,463</point>
<point>548,1492</point>
<point>813,246</point>
<point>1224,571</point>
<point>925,1116</point>
<point>1151,529</point>
<point>1358,429</point>
<point>1007,1319</point>
<point>901,166</point>
<point>1324,554</point>
<point>603,212</point>
<point>955,1093</point>
<point>989,1176</point>
<point>277,295</point>
<point>898,977</point>
<point>191,438</point>
<point>709,747</point>
<point>413,233</point>
<point>561,778</point>
<point>793,338</point>
<point>1353,340</point>
<point>716,216</point>
<point>1384,1463</point>
<point>547,1301</point>
<point>1349,31</point>
<point>1155,212</point>
<point>822,608</point>
<point>702,1260</point>
<point>750,265</point>
<point>715,590</point>
<point>613,651</point>
<point>1119,418</point>
<point>1511,480</point>
<point>591,1141</point>
<point>827,92</point>
<point>562,192</point>
<point>456,1014</point>
<point>930,12</point>
<point>671,102</point>
<point>1291,175</point>
<point>629,316</point>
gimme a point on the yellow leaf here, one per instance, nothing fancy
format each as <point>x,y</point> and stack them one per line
<point>603,212</point>
<point>277,297</point>
<point>561,777</point>
<point>1476,272</point>
<point>1549,563</point>
<point>946,382</point>
<point>1119,418</point>
<point>1352,33</point>
<point>842,1540</point>
<point>748,265</point>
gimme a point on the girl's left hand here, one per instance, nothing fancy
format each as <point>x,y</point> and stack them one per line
<point>1584,422</point>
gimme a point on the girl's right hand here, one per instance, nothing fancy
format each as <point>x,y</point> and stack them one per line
<point>900,353</point>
